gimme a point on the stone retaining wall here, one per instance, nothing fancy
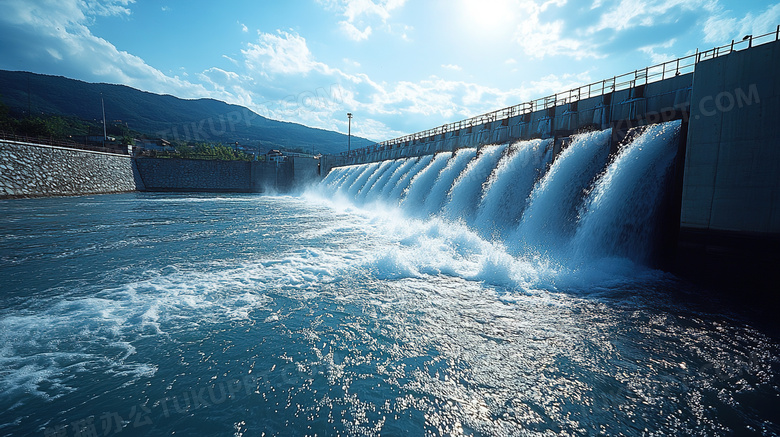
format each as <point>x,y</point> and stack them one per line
<point>30,170</point>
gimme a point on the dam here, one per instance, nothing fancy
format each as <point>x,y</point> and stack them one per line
<point>495,280</point>
<point>681,159</point>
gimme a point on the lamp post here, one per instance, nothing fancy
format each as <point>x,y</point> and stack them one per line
<point>349,132</point>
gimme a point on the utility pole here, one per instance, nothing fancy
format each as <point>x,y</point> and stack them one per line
<point>103,106</point>
<point>349,132</point>
<point>29,99</point>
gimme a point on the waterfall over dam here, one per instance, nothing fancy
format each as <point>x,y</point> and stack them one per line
<point>581,206</point>
<point>575,174</point>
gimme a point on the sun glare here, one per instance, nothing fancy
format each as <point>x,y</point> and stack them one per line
<point>488,16</point>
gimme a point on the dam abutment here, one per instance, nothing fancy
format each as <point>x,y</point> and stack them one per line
<point>730,206</point>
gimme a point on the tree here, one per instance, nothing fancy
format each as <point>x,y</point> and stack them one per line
<point>7,123</point>
<point>207,151</point>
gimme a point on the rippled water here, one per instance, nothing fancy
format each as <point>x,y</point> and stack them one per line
<point>241,315</point>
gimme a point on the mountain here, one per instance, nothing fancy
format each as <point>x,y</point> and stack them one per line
<point>163,116</point>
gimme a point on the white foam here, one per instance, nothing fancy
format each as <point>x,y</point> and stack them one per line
<point>83,331</point>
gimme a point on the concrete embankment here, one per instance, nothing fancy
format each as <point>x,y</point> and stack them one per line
<point>188,175</point>
<point>194,175</point>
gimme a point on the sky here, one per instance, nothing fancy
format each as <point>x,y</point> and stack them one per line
<point>399,66</point>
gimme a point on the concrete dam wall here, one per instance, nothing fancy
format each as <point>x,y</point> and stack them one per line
<point>665,100</point>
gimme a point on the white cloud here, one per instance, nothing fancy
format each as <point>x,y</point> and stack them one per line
<point>280,53</point>
<point>360,14</point>
<point>724,26</point>
<point>655,56</point>
<point>233,61</point>
<point>594,31</point>
<point>452,67</point>
<point>220,74</point>
<point>108,7</point>
<point>551,84</point>
<point>243,27</point>
<point>404,32</point>
<point>632,13</point>
<point>285,60</point>
<point>356,9</point>
<point>54,38</point>
<point>353,32</point>
<point>54,53</point>
<point>540,39</point>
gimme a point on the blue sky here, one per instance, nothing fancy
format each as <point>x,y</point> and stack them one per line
<point>399,66</point>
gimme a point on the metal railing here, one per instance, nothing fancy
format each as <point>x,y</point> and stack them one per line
<point>7,136</point>
<point>625,81</point>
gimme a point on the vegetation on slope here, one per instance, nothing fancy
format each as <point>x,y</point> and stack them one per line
<point>56,100</point>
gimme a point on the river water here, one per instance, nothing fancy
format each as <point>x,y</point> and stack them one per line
<point>317,314</point>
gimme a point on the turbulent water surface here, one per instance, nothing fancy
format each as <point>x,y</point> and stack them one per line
<point>368,306</point>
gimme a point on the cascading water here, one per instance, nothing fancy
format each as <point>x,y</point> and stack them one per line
<point>619,216</point>
<point>420,185</point>
<point>369,184</point>
<point>335,177</point>
<point>352,173</point>
<point>380,183</point>
<point>465,193</point>
<point>550,218</point>
<point>503,199</point>
<point>332,176</point>
<point>399,172</point>
<point>406,179</point>
<point>361,180</point>
<point>438,193</point>
<point>573,208</point>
